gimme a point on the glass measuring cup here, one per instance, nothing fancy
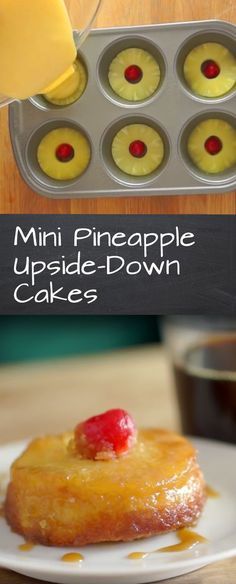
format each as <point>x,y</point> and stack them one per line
<point>82,14</point>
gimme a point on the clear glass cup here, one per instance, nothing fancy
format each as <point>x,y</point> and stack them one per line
<point>82,14</point>
<point>203,354</point>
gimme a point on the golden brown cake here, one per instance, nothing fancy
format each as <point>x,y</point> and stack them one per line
<point>210,70</point>
<point>59,497</point>
<point>134,74</point>
<point>138,150</point>
<point>71,89</point>
<point>64,154</point>
<point>212,146</point>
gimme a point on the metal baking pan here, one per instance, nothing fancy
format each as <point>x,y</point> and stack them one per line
<point>99,113</point>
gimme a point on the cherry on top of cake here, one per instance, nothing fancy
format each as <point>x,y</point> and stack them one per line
<point>105,436</point>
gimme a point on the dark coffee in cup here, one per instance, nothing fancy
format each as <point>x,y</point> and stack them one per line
<point>206,388</point>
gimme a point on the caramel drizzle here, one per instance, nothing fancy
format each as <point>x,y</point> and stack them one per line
<point>139,555</point>
<point>72,557</point>
<point>26,547</point>
<point>188,540</point>
<point>211,493</point>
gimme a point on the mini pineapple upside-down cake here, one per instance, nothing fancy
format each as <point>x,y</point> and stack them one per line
<point>134,74</point>
<point>212,146</point>
<point>71,89</point>
<point>64,153</point>
<point>138,150</point>
<point>210,70</point>
<point>104,482</point>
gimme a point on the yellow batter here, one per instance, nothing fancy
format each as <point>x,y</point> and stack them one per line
<point>37,49</point>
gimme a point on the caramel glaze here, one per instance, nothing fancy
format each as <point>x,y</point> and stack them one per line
<point>72,557</point>
<point>138,555</point>
<point>211,493</point>
<point>188,540</point>
<point>26,547</point>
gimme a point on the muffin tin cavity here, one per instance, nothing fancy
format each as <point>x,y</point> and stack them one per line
<point>158,162</point>
<point>58,153</point>
<point>131,71</point>
<point>208,146</point>
<point>206,66</point>
<point>70,92</point>
<point>135,150</point>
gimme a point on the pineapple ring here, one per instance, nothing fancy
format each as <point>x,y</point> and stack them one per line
<point>67,170</point>
<point>149,161</point>
<point>71,89</point>
<point>198,82</point>
<point>220,161</point>
<point>149,81</point>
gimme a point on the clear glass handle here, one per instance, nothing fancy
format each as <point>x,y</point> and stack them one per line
<point>82,14</point>
<point>5,100</point>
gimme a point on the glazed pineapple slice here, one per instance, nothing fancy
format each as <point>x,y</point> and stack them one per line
<point>64,154</point>
<point>210,70</point>
<point>134,75</point>
<point>71,89</point>
<point>212,146</point>
<point>138,150</point>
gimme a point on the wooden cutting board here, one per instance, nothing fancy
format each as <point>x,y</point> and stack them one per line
<point>16,197</point>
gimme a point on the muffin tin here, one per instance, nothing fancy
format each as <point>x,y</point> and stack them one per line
<point>173,110</point>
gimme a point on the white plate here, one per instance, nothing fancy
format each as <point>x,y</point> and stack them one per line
<point>109,563</point>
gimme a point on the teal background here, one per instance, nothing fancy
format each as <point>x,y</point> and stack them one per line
<point>48,337</point>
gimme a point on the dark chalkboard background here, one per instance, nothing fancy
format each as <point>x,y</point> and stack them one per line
<point>207,284</point>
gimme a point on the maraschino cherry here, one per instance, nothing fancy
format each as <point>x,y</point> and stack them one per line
<point>133,74</point>
<point>210,69</point>
<point>138,149</point>
<point>65,152</point>
<point>105,436</point>
<point>213,145</point>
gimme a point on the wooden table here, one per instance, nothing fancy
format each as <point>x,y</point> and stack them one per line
<point>49,397</point>
<point>16,197</point>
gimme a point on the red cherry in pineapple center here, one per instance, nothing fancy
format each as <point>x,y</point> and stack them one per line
<point>65,152</point>
<point>213,145</point>
<point>210,69</point>
<point>138,149</point>
<point>133,74</point>
<point>105,436</point>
